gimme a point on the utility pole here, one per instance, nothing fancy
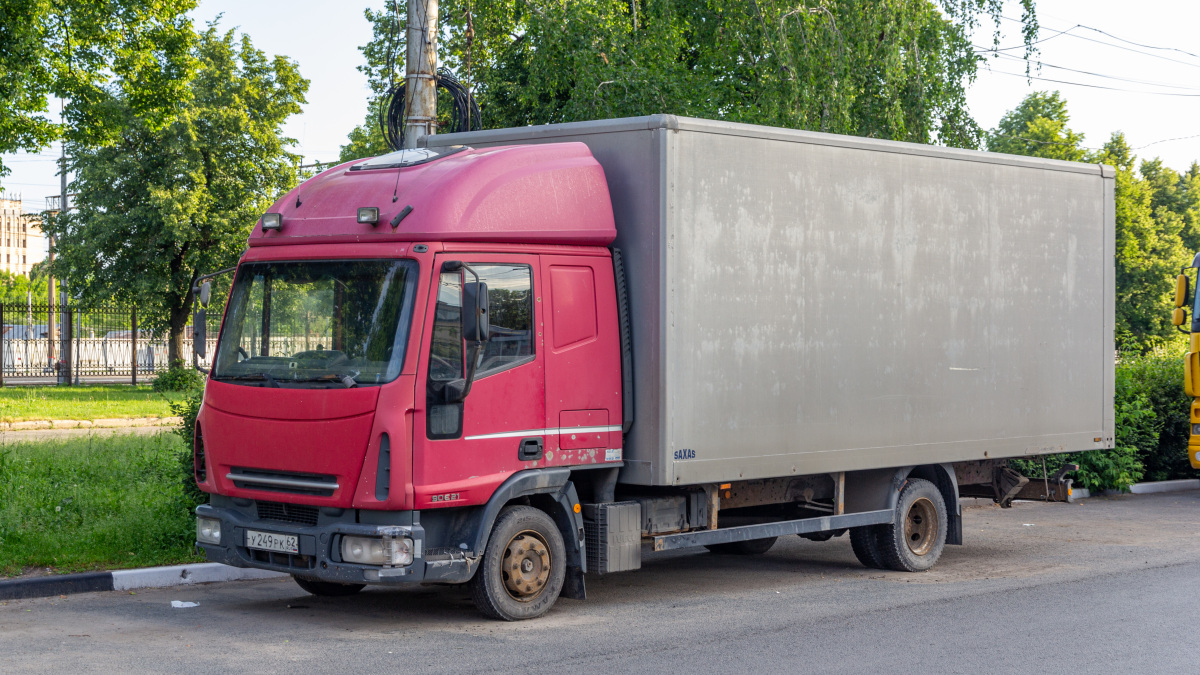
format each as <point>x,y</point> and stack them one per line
<point>64,349</point>
<point>420,71</point>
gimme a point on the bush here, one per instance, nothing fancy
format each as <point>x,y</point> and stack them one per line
<point>178,378</point>
<point>1157,377</point>
<point>187,409</point>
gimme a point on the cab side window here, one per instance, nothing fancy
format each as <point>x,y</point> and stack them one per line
<point>510,300</point>
<point>444,420</point>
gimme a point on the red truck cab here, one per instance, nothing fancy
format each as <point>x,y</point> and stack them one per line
<point>356,430</point>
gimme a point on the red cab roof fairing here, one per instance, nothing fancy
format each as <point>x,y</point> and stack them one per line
<point>547,194</point>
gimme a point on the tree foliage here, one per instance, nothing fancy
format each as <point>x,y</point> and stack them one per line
<point>159,205</point>
<point>91,53</point>
<point>1038,128</point>
<point>885,69</point>
<point>19,289</point>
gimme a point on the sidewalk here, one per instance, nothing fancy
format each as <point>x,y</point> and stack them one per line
<point>43,430</point>
<point>124,580</point>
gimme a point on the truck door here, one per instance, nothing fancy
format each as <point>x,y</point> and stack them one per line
<point>462,451</point>
<point>583,360</point>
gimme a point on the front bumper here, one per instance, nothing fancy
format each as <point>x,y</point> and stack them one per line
<point>319,554</point>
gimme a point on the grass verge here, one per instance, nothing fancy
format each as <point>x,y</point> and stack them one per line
<point>94,503</point>
<point>18,404</point>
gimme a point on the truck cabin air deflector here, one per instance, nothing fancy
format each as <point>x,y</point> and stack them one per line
<point>529,194</point>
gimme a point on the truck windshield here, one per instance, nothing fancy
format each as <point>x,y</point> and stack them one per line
<point>317,324</point>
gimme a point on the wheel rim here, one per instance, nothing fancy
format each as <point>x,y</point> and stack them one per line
<point>921,526</point>
<point>526,566</point>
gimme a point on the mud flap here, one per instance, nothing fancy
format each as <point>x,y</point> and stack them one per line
<point>573,587</point>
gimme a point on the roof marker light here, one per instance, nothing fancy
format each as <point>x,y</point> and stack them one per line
<point>272,221</point>
<point>368,215</point>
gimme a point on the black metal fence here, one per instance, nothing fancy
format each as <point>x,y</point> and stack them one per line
<point>46,343</point>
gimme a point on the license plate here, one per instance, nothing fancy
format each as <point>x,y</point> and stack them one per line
<point>269,541</point>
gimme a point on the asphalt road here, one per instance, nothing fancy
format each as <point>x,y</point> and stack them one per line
<point>1110,585</point>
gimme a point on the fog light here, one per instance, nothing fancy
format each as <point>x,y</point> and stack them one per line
<point>272,221</point>
<point>368,215</point>
<point>363,550</point>
<point>208,530</point>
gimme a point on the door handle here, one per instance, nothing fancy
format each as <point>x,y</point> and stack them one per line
<point>530,449</point>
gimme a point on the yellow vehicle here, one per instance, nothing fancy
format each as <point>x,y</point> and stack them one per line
<point>1191,362</point>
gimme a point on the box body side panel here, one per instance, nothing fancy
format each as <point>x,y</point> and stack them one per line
<point>835,308</point>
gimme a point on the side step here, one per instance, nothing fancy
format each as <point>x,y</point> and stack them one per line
<point>727,535</point>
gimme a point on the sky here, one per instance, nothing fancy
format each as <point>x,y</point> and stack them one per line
<point>323,38</point>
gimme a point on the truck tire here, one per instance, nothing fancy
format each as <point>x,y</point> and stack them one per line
<point>914,541</point>
<point>748,547</point>
<point>865,542</point>
<point>327,589</point>
<point>523,568</point>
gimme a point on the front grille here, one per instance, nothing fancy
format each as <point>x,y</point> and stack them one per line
<point>287,513</point>
<point>297,562</point>
<point>314,484</point>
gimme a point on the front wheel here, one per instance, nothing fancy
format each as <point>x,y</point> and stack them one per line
<point>523,568</point>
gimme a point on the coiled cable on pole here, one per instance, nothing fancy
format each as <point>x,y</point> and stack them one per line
<point>465,116</point>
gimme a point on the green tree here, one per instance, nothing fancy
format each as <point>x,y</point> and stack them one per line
<point>1190,202</point>
<point>884,69</point>
<point>1038,128</point>
<point>160,205</point>
<point>1149,250</point>
<point>16,289</point>
<point>89,52</point>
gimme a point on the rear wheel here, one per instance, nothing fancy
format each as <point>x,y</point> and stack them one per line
<point>914,541</point>
<point>865,542</point>
<point>328,589</point>
<point>750,547</point>
<point>523,568</point>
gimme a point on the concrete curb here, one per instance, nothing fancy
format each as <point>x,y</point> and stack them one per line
<point>127,580</point>
<point>1142,488</point>
<point>1165,486</point>
<point>112,423</point>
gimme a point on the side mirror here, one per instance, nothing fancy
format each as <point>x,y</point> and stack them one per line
<point>475,324</point>
<point>1179,316</point>
<point>1181,291</point>
<point>199,332</point>
<point>205,293</point>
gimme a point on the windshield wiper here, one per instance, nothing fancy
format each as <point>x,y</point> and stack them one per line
<point>333,378</point>
<point>267,377</point>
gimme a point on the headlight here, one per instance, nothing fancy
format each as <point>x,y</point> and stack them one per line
<point>208,530</point>
<point>374,551</point>
<point>363,550</point>
<point>1196,429</point>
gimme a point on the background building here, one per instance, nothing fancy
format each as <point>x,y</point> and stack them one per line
<point>22,244</point>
